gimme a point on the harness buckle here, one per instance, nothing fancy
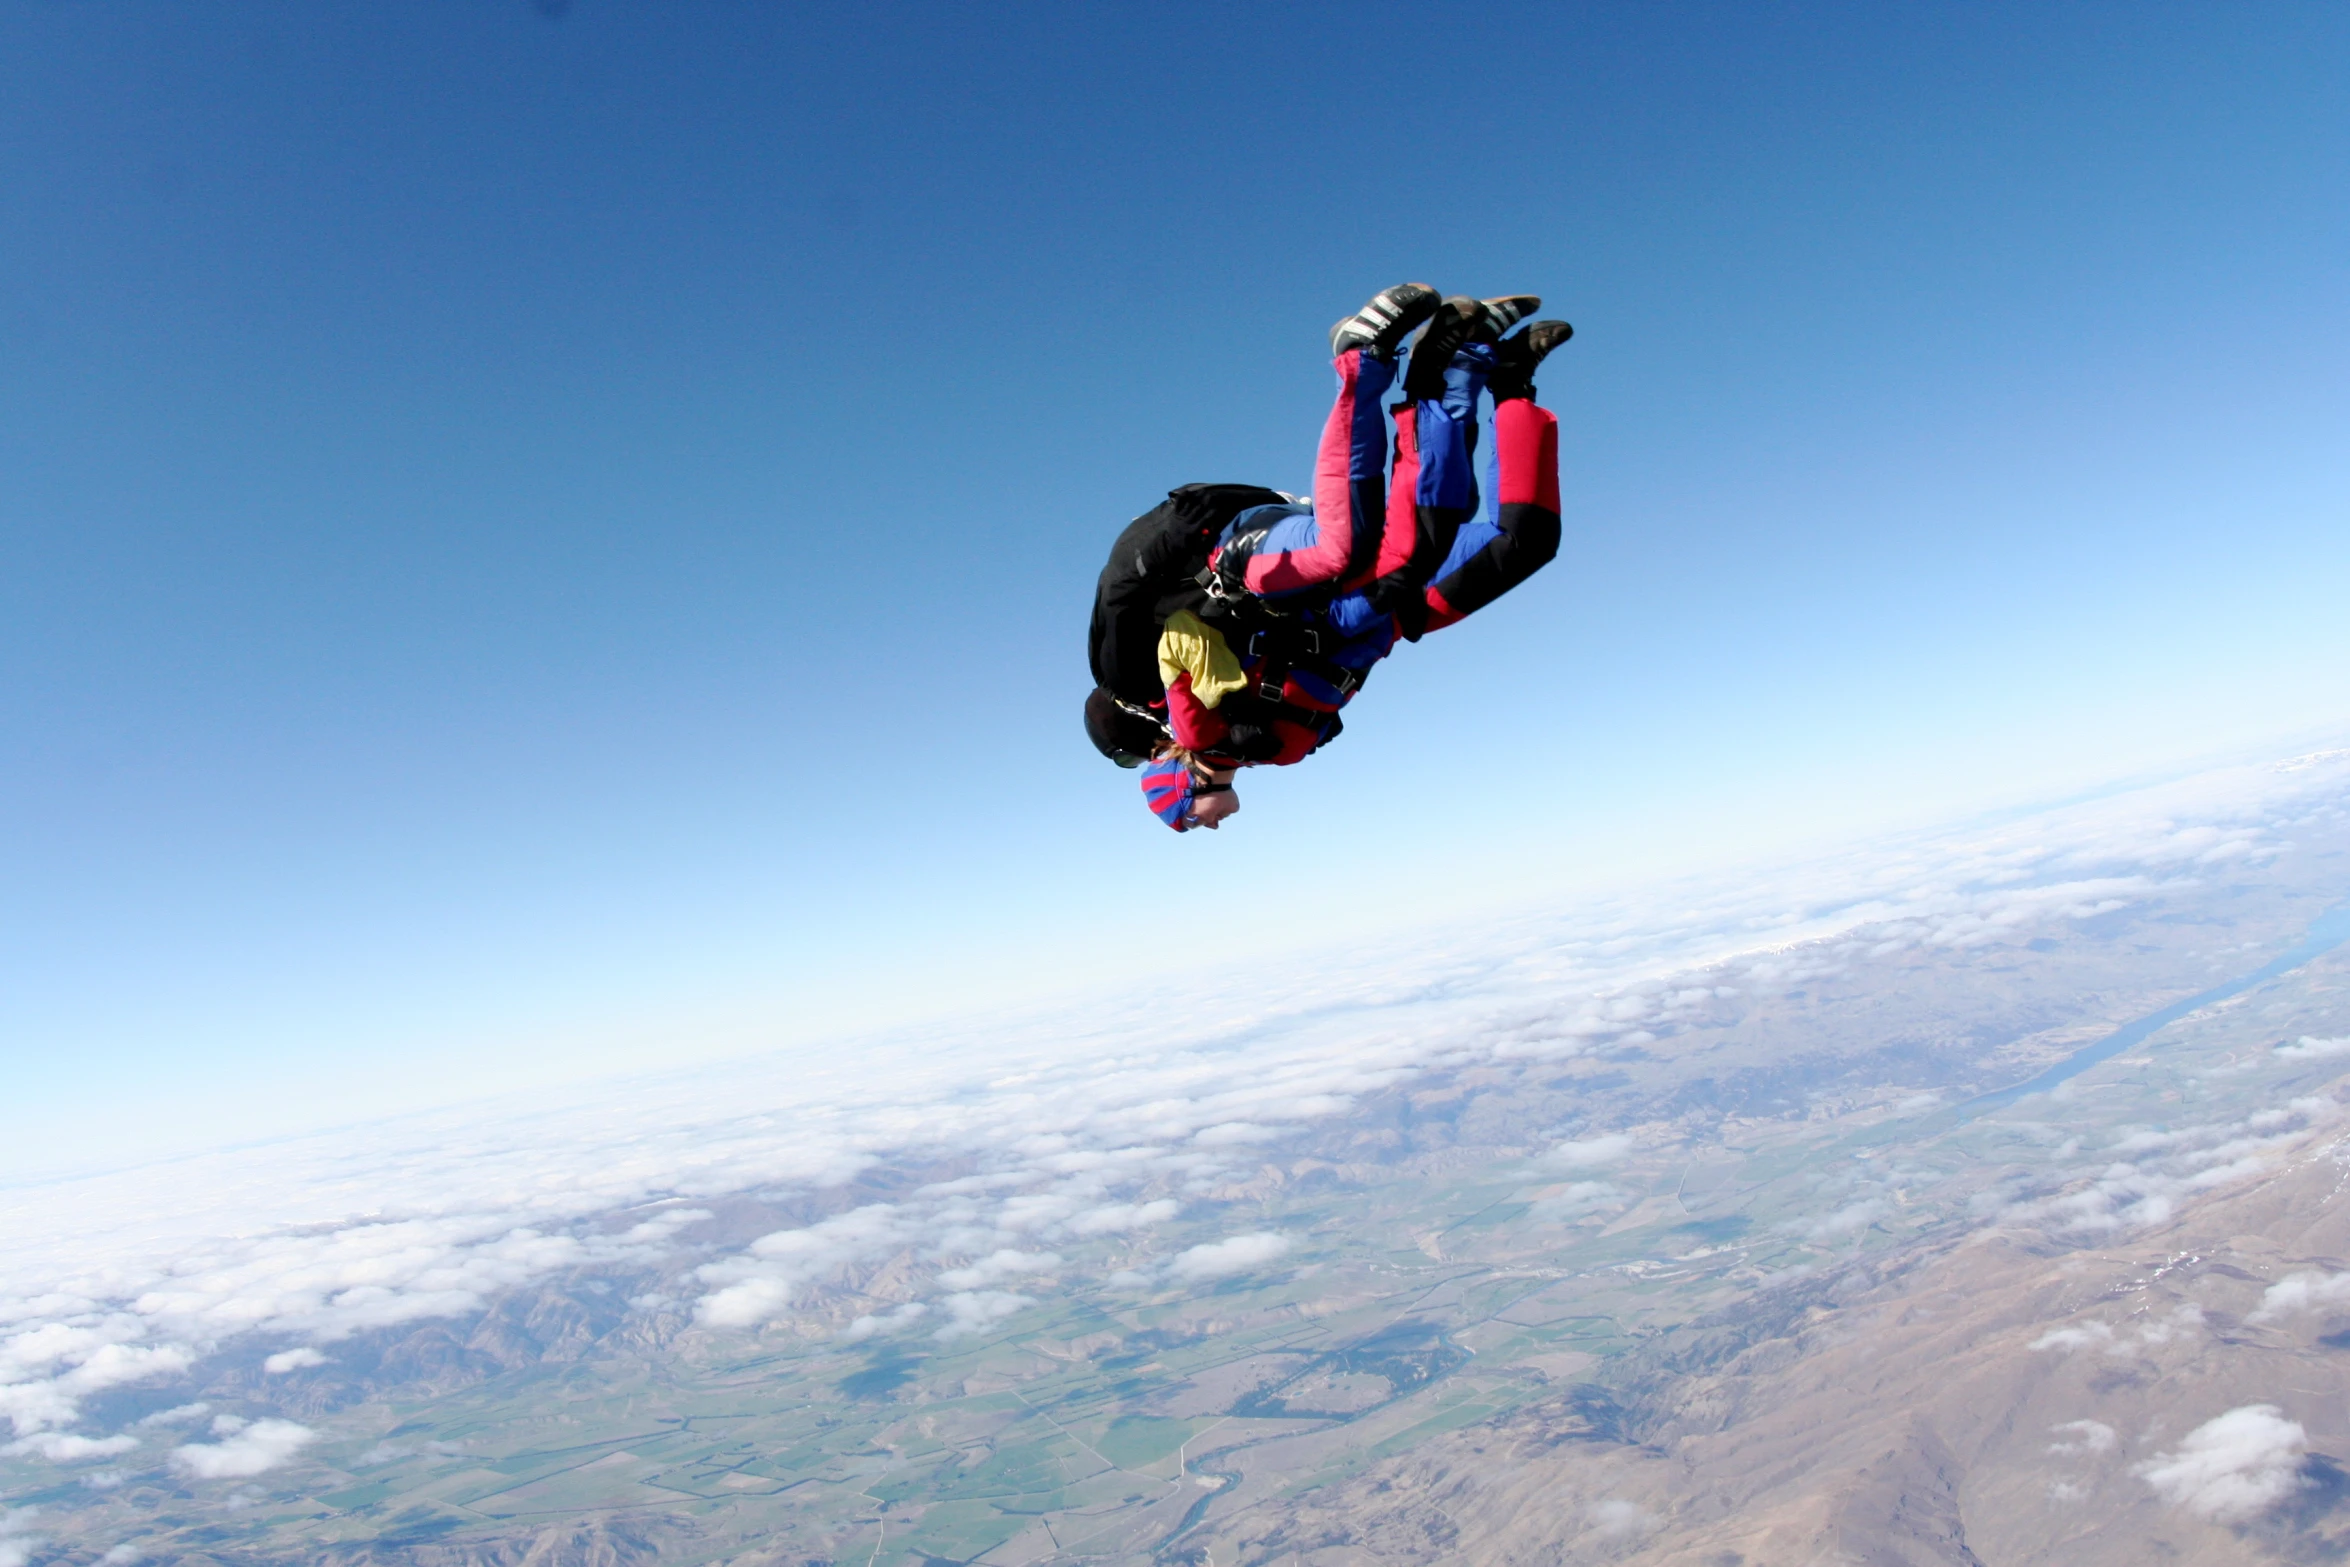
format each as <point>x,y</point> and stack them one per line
<point>1305,639</point>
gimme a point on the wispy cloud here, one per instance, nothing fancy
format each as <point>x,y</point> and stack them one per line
<point>1586,1152</point>
<point>971,1311</point>
<point>2084,1335</point>
<point>1231,1133</point>
<point>177,1414</point>
<point>2082,1437</point>
<point>244,1449</point>
<point>1235,1254</point>
<point>1616,1519</point>
<point>386,1452</point>
<point>1575,1200</point>
<point>1111,1217</point>
<point>2142,1177</point>
<point>904,1315</point>
<point>997,1266</point>
<point>62,1447</point>
<point>760,1284</point>
<point>17,1541</point>
<point>2308,1048</point>
<point>2297,1293</point>
<point>2129,1339</point>
<point>1848,1220</point>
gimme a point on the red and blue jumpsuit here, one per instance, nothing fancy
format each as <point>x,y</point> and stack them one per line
<point>1389,559</point>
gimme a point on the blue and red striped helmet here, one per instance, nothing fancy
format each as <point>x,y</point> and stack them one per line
<point>1167,788</point>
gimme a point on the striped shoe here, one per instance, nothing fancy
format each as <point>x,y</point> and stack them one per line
<point>1378,328</point>
<point>1497,316</point>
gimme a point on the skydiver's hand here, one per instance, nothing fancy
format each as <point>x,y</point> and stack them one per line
<point>1403,599</point>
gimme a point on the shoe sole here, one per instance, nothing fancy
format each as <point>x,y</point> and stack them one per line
<point>1382,340</point>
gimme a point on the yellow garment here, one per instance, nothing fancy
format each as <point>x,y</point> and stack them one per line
<point>1188,647</point>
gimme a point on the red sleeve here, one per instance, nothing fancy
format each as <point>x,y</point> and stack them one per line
<point>1197,726</point>
<point>1297,741</point>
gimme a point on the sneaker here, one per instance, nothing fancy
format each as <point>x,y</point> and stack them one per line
<point>1496,316</point>
<point>1378,328</point>
<point>1451,324</point>
<point>1516,357</point>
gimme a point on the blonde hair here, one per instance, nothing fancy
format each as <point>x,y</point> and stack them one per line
<point>1171,751</point>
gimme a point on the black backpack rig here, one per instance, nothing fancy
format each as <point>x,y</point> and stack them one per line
<point>1158,566</point>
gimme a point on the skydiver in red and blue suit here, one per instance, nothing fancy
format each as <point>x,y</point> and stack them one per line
<point>1365,563</point>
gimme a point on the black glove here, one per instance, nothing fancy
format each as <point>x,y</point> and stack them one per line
<point>1405,600</point>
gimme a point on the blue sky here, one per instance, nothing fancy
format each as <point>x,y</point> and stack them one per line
<point>538,543</point>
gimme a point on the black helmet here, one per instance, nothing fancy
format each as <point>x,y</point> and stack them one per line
<point>1125,737</point>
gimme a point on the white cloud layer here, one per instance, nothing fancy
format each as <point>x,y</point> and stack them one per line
<point>2233,1468</point>
<point>1085,1129</point>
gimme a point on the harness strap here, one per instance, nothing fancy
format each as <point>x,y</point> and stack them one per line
<point>1228,595</point>
<point>1286,648</point>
